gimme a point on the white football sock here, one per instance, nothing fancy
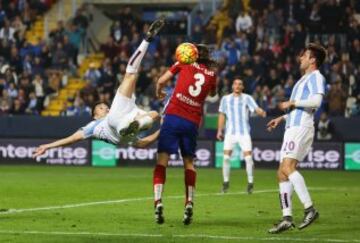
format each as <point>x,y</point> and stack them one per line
<point>145,122</point>
<point>136,58</point>
<point>286,190</point>
<point>249,168</point>
<point>158,189</point>
<point>297,180</point>
<point>190,194</point>
<point>226,168</point>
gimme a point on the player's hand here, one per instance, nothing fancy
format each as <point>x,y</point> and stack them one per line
<point>220,135</point>
<point>40,150</point>
<point>160,93</point>
<point>273,123</point>
<point>263,113</point>
<point>286,105</point>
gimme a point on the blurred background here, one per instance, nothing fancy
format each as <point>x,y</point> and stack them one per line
<point>58,58</point>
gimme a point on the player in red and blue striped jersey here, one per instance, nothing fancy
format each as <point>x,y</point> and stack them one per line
<point>183,114</point>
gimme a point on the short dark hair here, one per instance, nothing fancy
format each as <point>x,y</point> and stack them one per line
<point>96,104</point>
<point>318,52</point>
<point>204,56</point>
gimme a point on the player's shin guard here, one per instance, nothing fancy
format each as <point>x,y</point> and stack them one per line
<point>226,168</point>
<point>286,190</point>
<point>190,180</point>
<point>297,180</point>
<point>249,168</point>
<point>158,182</point>
<point>136,58</point>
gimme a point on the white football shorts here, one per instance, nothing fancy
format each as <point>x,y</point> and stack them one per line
<point>244,142</point>
<point>297,143</point>
<point>122,112</point>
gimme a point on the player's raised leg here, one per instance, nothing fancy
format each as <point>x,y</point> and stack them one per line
<point>128,85</point>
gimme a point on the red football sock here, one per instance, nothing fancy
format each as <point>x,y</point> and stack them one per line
<point>158,182</point>
<point>190,180</point>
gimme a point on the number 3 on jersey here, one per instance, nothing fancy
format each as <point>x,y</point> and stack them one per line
<point>195,89</point>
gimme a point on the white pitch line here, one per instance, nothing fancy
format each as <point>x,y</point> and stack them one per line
<point>198,236</point>
<point>119,201</point>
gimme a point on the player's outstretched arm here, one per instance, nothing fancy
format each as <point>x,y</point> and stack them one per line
<point>77,136</point>
<point>160,94</point>
<point>313,102</point>
<point>260,112</point>
<point>275,122</point>
<point>221,125</point>
<point>146,141</point>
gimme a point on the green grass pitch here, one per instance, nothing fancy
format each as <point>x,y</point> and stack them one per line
<point>74,204</point>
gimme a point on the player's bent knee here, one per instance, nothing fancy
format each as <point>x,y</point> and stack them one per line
<point>281,176</point>
<point>247,153</point>
<point>288,166</point>
<point>189,166</point>
<point>227,153</point>
<point>188,163</point>
<point>154,115</point>
<point>163,159</point>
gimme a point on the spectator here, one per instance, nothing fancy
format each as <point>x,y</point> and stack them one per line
<point>325,128</point>
<point>116,31</point>
<point>12,91</point>
<point>32,106</point>
<point>337,99</point>
<point>4,107</point>
<point>243,22</point>
<point>59,57</point>
<point>17,108</point>
<point>57,34</point>
<point>92,75</point>
<point>7,32</point>
<point>81,109</point>
<point>110,48</point>
<point>38,84</point>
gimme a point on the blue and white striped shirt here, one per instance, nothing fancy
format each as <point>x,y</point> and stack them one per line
<point>309,85</point>
<point>100,129</point>
<point>236,110</point>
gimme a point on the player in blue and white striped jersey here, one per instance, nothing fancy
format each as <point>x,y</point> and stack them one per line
<point>122,122</point>
<point>234,111</point>
<point>306,97</point>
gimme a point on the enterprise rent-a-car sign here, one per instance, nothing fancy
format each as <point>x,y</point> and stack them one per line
<point>19,151</point>
<point>105,154</point>
<point>324,155</point>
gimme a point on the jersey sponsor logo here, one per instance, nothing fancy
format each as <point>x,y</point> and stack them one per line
<point>187,100</point>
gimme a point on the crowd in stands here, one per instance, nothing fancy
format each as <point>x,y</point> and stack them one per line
<point>31,73</point>
<point>259,40</point>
